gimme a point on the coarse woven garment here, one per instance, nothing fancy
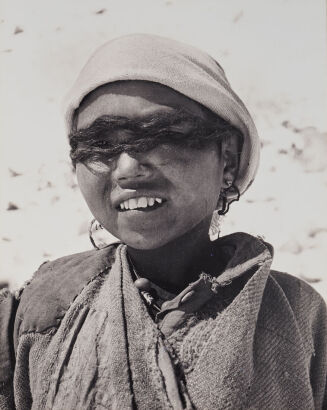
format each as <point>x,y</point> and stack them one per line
<point>83,338</point>
<point>176,65</point>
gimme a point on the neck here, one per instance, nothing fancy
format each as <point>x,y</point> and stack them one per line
<point>176,264</point>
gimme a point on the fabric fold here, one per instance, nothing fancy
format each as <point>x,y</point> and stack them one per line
<point>108,352</point>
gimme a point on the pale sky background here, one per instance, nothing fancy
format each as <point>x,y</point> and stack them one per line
<point>274,54</point>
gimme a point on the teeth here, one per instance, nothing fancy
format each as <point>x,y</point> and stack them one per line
<point>132,203</point>
<point>142,202</point>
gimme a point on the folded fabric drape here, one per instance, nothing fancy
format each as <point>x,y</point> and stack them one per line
<point>127,365</point>
<point>111,353</point>
<point>259,341</point>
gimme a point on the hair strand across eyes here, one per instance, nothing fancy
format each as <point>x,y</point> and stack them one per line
<point>103,140</point>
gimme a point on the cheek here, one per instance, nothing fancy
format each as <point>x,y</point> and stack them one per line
<point>93,187</point>
<point>198,187</point>
<point>212,182</point>
<point>201,180</point>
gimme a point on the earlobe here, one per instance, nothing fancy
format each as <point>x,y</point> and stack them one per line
<point>227,181</point>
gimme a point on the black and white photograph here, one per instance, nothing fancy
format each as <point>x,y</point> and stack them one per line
<point>163,196</point>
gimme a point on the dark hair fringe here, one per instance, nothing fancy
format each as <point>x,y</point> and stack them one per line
<point>102,140</point>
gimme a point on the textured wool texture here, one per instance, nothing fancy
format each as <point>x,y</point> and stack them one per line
<point>179,66</point>
<point>251,339</point>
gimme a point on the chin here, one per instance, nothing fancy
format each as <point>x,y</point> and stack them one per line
<point>147,241</point>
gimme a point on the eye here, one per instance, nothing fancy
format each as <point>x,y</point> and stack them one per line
<point>101,165</point>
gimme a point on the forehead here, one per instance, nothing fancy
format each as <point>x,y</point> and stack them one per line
<point>134,100</point>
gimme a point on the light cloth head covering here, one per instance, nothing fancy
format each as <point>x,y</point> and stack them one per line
<point>178,66</point>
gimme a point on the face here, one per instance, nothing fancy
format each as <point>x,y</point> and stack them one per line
<point>148,199</point>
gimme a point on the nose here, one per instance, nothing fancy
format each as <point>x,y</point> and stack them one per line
<point>131,169</point>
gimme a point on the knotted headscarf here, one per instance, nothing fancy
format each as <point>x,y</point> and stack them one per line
<point>176,65</point>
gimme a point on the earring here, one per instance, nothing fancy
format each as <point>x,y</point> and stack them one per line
<point>223,204</point>
<point>99,236</point>
<point>215,225</point>
<point>94,226</point>
<point>227,197</point>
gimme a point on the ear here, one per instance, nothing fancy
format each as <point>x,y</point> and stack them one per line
<point>230,156</point>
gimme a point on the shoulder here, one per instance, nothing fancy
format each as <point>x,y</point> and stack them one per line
<point>45,299</point>
<point>8,306</point>
<point>308,308</point>
<point>298,292</point>
<point>297,314</point>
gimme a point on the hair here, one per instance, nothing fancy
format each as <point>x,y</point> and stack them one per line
<point>102,140</point>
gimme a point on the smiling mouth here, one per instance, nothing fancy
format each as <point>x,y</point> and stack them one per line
<point>141,204</point>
